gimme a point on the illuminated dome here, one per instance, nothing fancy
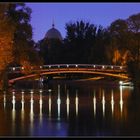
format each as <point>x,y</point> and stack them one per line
<point>53,34</point>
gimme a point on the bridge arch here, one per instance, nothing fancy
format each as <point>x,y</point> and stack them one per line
<point>69,71</point>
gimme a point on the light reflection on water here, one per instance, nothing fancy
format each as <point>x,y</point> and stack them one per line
<point>112,101</point>
<point>103,102</point>
<point>76,103</point>
<point>58,103</point>
<point>50,102</point>
<point>68,104</point>
<point>67,111</point>
<point>94,104</point>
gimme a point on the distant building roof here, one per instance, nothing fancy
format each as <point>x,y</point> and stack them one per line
<point>53,33</point>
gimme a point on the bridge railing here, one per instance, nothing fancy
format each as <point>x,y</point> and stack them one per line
<point>68,66</point>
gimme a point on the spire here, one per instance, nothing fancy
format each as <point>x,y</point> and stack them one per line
<point>53,23</point>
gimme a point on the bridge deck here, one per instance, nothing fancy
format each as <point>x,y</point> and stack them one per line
<point>107,70</point>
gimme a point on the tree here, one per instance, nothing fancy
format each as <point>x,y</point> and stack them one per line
<point>50,50</point>
<point>134,23</point>
<point>55,55</point>
<point>79,40</point>
<point>97,52</point>
<point>24,50</point>
<point>134,36</point>
<point>16,42</point>
<point>6,45</point>
<point>134,47</point>
<point>41,45</point>
<point>125,45</point>
<point>118,31</point>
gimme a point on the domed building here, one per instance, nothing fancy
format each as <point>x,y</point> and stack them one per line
<point>53,33</point>
<point>51,46</point>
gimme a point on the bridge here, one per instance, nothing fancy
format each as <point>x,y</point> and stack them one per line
<point>106,70</point>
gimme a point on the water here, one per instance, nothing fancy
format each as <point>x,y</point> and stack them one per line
<point>71,109</point>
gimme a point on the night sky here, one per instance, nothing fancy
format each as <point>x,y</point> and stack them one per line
<point>103,14</point>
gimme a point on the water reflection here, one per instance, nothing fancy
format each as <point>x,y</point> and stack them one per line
<point>121,100</point>
<point>76,103</point>
<point>58,103</point>
<point>68,104</point>
<point>50,102</point>
<point>22,102</point>
<point>112,101</point>
<point>71,104</point>
<point>31,112</point>
<point>13,102</point>
<point>40,108</point>
<point>4,101</point>
<point>94,104</point>
<point>22,111</point>
<point>13,112</point>
<point>103,103</point>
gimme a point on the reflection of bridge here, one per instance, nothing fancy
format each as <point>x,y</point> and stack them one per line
<point>107,70</point>
<point>56,102</point>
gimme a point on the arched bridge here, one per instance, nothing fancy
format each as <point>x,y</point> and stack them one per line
<point>107,70</point>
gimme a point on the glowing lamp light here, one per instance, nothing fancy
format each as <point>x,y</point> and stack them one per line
<point>58,101</point>
<point>40,91</point>
<point>49,90</point>
<point>67,66</point>
<point>103,67</point>
<point>121,67</point>
<point>76,66</point>
<point>120,82</point>
<point>22,92</point>
<point>31,91</point>
<point>14,68</point>
<point>111,67</point>
<point>40,67</point>
<point>49,66</point>
<point>22,68</point>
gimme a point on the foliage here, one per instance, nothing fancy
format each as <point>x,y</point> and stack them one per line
<point>125,45</point>
<point>85,43</point>
<point>16,44</point>
<point>6,44</point>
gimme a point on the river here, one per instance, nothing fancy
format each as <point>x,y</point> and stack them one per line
<point>70,109</point>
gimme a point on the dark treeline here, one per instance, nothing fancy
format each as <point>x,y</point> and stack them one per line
<point>84,43</point>
<point>89,43</point>
<point>118,44</point>
<point>16,44</point>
